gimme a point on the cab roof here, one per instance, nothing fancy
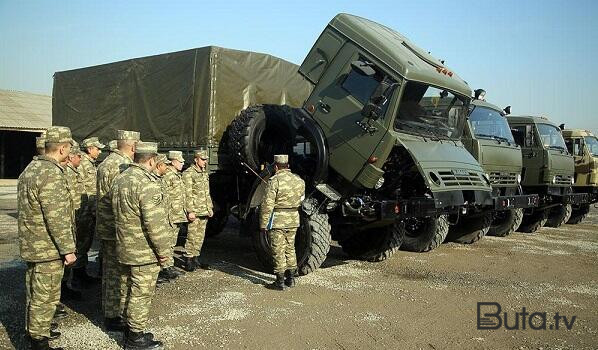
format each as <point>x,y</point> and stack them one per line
<point>482,103</point>
<point>398,52</point>
<point>513,119</point>
<point>576,133</point>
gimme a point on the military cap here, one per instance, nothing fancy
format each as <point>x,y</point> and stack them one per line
<point>146,147</point>
<point>176,155</point>
<point>59,134</point>
<point>75,149</point>
<point>40,142</point>
<point>163,159</point>
<point>201,153</point>
<point>281,158</point>
<point>127,135</point>
<point>112,145</point>
<point>92,142</point>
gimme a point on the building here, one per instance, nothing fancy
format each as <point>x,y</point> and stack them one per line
<point>23,116</point>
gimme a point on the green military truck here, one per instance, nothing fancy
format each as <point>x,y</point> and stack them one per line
<point>488,138</point>
<point>548,171</point>
<point>583,145</point>
<point>384,167</point>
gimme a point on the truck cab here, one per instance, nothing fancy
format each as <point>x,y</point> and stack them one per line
<point>548,171</point>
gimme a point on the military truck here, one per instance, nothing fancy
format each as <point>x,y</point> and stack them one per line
<point>583,145</point>
<point>548,171</point>
<point>488,138</point>
<point>384,167</point>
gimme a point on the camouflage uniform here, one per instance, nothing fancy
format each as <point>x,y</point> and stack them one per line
<point>198,201</point>
<point>45,236</point>
<point>142,235</point>
<point>279,215</point>
<point>114,280</point>
<point>174,189</point>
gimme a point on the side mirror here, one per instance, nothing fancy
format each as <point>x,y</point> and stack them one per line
<point>507,110</point>
<point>371,110</point>
<point>529,135</point>
<point>363,68</point>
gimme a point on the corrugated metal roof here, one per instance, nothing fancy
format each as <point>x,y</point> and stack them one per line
<point>24,110</point>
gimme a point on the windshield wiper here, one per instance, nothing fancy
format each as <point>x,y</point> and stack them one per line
<point>494,137</point>
<point>415,128</point>
<point>561,148</point>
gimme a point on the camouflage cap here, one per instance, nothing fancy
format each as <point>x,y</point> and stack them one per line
<point>112,145</point>
<point>281,158</point>
<point>75,149</point>
<point>146,147</point>
<point>176,155</point>
<point>201,153</point>
<point>163,159</point>
<point>40,142</point>
<point>92,142</point>
<point>127,135</point>
<point>58,134</point>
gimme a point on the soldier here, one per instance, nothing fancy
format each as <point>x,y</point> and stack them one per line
<point>87,216</point>
<point>114,279</point>
<point>279,218</point>
<point>198,205</point>
<point>175,193</point>
<point>46,239</point>
<point>143,241</point>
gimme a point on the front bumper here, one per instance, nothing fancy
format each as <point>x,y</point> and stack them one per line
<point>516,201</point>
<point>449,202</point>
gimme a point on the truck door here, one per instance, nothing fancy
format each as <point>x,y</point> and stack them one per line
<point>339,99</point>
<point>532,155</point>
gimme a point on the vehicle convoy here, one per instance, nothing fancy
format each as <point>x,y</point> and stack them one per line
<point>583,145</point>
<point>488,138</point>
<point>371,122</point>
<point>547,171</point>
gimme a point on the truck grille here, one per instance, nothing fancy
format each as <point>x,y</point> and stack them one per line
<point>498,178</point>
<point>563,180</point>
<point>466,178</point>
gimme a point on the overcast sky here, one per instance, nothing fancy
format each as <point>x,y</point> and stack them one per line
<point>540,57</point>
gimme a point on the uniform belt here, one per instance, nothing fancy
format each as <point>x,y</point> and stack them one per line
<point>286,209</point>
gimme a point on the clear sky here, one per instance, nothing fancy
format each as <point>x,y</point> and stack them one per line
<point>540,57</point>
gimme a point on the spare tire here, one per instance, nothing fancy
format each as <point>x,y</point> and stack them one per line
<point>470,229</point>
<point>559,215</point>
<point>579,214</point>
<point>534,221</point>
<point>424,234</point>
<point>375,244</point>
<point>505,222</point>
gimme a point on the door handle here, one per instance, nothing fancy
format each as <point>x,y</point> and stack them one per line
<point>324,107</point>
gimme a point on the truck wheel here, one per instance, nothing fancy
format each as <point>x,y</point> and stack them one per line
<point>505,222</point>
<point>312,242</point>
<point>424,234</point>
<point>470,230</point>
<point>255,123</point>
<point>558,215</point>
<point>534,221</point>
<point>375,244</point>
<point>579,214</point>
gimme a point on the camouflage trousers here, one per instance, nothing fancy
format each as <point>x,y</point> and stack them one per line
<point>196,233</point>
<point>86,223</point>
<point>175,235</point>
<point>114,281</point>
<point>282,243</point>
<point>141,283</point>
<point>42,285</point>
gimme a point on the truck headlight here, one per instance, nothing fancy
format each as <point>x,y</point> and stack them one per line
<point>518,178</point>
<point>554,179</point>
<point>379,183</point>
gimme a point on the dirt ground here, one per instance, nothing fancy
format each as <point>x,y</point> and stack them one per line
<point>411,301</point>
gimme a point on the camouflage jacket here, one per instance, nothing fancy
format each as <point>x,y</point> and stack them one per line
<point>175,191</point>
<point>197,191</point>
<point>113,165</point>
<point>88,172</point>
<point>44,203</point>
<point>76,186</point>
<point>142,234</point>
<point>282,200</point>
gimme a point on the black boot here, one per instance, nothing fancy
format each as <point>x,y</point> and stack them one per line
<point>41,344</point>
<point>54,334</point>
<point>115,324</point>
<point>201,265</point>
<point>66,293</point>
<point>59,314</point>
<point>82,280</point>
<point>142,341</point>
<point>53,326</point>
<point>190,265</point>
<point>289,280</point>
<point>278,284</point>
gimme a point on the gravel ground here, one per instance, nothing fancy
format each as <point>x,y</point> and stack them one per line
<point>421,301</point>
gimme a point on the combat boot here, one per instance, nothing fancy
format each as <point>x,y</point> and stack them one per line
<point>41,344</point>
<point>115,324</point>
<point>201,265</point>
<point>59,314</point>
<point>142,341</point>
<point>289,280</point>
<point>190,265</point>
<point>54,334</point>
<point>278,284</point>
<point>81,279</point>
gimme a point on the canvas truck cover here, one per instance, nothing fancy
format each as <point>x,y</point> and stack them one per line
<point>180,99</point>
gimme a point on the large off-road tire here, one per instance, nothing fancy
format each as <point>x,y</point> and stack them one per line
<point>505,222</point>
<point>534,221</point>
<point>559,215</point>
<point>470,229</point>
<point>579,214</point>
<point>375,244</point>
<point>424,234</point>
<point>255,124</point>
<point>312,242</point>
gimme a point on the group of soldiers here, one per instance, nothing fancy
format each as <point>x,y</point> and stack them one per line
<point>134,203</point>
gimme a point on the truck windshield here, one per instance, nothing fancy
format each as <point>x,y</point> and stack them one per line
<point>592,144</point>
<point>427,110</point>
<point>551,136</point>
<point>489,123</point>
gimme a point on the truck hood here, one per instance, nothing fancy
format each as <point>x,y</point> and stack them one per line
<point>561,163</point>
<point>500,157</point>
